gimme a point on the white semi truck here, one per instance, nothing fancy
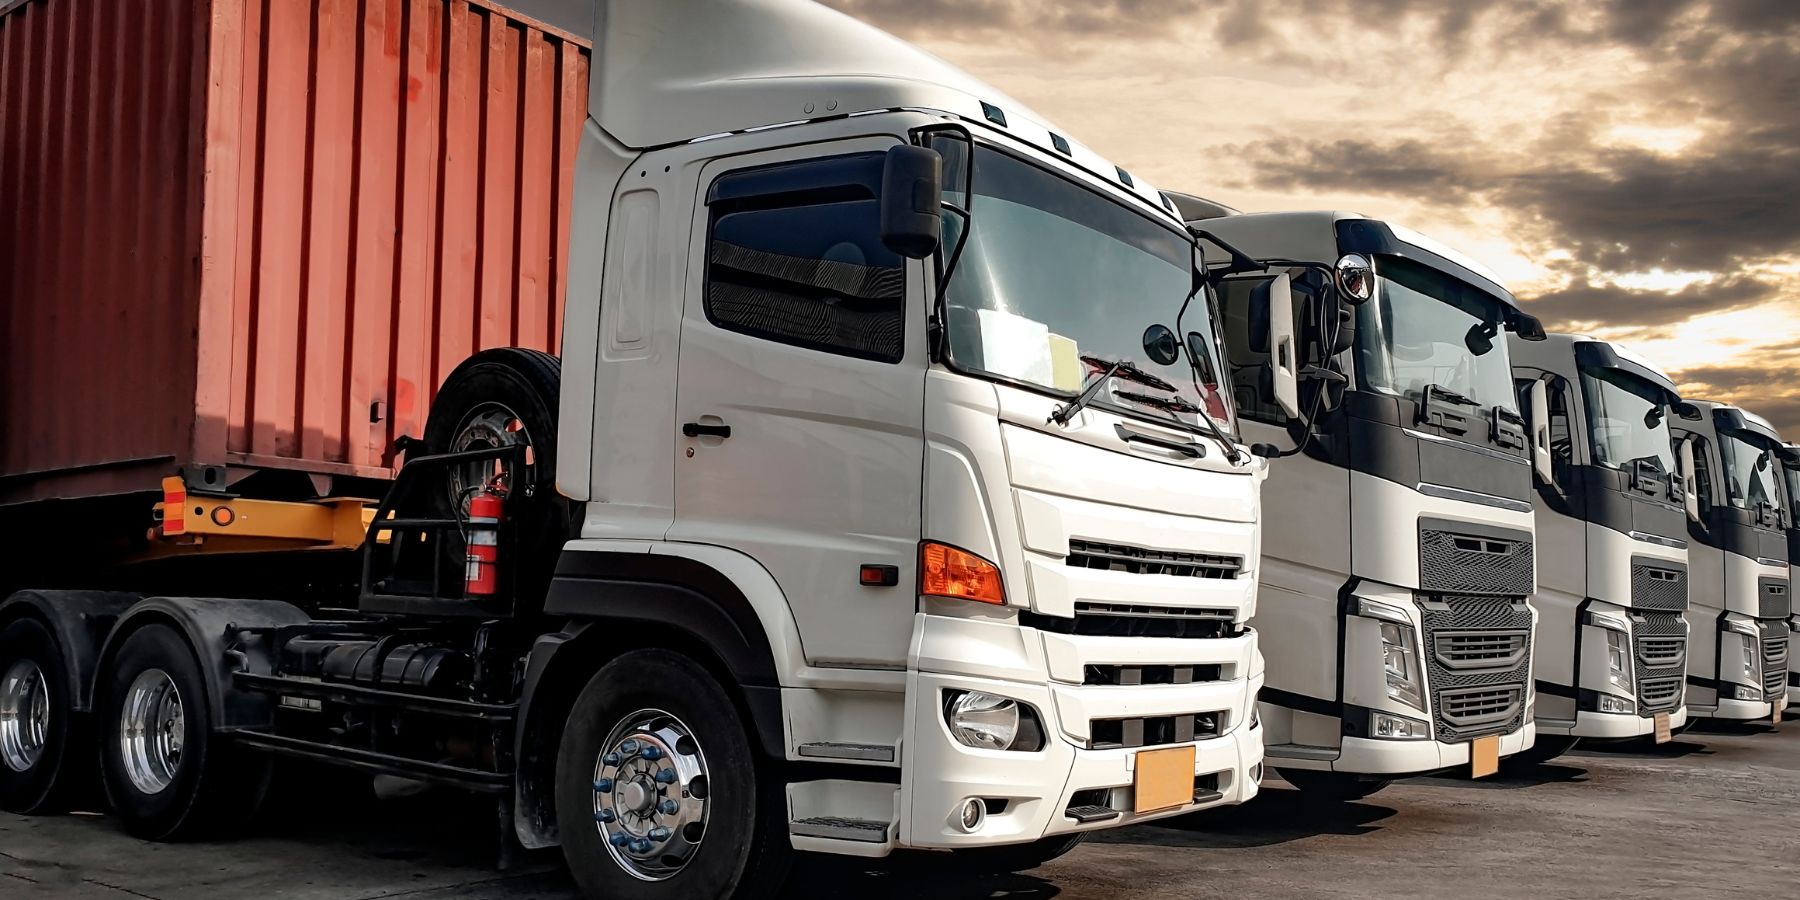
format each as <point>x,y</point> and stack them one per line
<point>1737,565</point>
<point>872,504</point>
<point>1395,594</point>
<point>1612,537</point>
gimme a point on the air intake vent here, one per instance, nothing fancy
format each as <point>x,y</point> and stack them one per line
<point>1151,731</point>
<point>1468,650</point>
<point>1478,707</point>
<point>1658,587</point>
<point>1143,561</point>
<point>1452,562</point>
<point>1139,675</point>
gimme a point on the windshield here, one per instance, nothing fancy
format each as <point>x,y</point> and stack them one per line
<point>1627,419</point>
<point>1053,273</point>
<point>1417,332</point>
<point>1792,474</point>
<point>1749,471</point>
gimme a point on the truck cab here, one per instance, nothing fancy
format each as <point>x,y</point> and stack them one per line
<point>1613,571</point>
<point>1399,557</point>
<point>1738,565</point>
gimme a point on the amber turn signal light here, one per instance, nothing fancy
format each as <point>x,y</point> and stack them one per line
<point>958,574</point>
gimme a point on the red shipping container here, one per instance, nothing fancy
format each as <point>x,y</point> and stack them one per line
<point>256,234</point>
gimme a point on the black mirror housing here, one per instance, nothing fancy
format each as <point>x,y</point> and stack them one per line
<point>912,194</point>
<point>1161,345</point>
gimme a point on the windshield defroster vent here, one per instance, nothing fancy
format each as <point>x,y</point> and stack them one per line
<point>1144,561</point>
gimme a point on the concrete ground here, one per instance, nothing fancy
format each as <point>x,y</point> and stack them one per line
<point>1716,813</point>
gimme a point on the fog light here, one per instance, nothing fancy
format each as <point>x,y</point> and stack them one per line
<point>1740,692</point>
<point>1617,705</point>
<point>971,814</point>
<point>1399,728</point>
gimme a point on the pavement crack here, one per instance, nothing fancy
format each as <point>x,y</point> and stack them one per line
<point>24,878</point>
<point>500,879</point>
<point>120,889</point>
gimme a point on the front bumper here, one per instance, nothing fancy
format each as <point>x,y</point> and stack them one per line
<point>1029,793</point>
<point>1615,726</point>
<point>1371,756</point>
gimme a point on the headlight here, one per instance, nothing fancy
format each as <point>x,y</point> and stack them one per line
<point>1752,658</point>
<point>988,722</point>
<point>1398,728</point>
<point>1611,704</point>
<point>1400,663</point>
<point>1618,660</point>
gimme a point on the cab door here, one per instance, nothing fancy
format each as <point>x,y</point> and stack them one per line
<point>801,393</point>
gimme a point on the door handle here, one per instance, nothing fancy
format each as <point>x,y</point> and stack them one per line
<point>697,429</point>
<point>1189,450</point>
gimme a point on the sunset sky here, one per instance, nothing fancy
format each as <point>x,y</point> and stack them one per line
<point>1630,168</point>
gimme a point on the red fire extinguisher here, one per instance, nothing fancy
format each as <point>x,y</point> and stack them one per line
<point>481,576</point>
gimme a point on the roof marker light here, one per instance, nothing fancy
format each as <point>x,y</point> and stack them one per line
<point>993,114</point>
<point>1061,144</point>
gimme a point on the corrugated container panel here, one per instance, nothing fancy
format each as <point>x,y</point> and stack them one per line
<point>259,233</point>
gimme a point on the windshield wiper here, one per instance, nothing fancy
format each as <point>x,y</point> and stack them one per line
<point>1121,368</point>
<point>1437,390</point>
<point>1129,371</point>
<point>1171,404</point>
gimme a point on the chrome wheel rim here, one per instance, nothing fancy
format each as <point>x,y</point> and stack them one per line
<point>152,730</point>
<point>651,793</point>
<point>486,427</point>
<point>24,715</point>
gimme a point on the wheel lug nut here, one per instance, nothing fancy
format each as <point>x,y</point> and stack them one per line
<point>629,748</point>
<point>652,753</point>
<point>668,807</point>
<point>620,839</point>
<point>640,846</point>
<point>605,815</point>
<point>666,776</point>
<point>603,785</point>
<point>611,759</point>
<point>659,834</point>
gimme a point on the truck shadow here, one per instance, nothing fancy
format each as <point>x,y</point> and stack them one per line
<point>1511,777</point>
<point>1643,749</point>
<point>906,876</point>
<point>1277,815</point>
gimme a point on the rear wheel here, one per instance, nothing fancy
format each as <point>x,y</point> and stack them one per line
<point>168,775</point>
<point>658,791</point>
<point>1334,787</point>
<point>42,745</point>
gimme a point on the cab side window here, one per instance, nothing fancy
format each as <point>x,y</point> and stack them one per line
<point>794,255</point>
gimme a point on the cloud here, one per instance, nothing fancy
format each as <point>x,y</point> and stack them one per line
<point>1582,305</point>
<point>1770,391</point>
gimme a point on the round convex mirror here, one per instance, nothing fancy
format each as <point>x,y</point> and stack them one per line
<point>1161,345</point>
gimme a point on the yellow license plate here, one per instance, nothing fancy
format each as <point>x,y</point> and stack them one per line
<point>1663,733</point>
<point>1165,779</point>
<point>1484,756</point>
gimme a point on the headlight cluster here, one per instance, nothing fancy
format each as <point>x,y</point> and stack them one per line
<point>1399,653</point>
<point>1752,658</point>
<point>990,722</point>
<point>1618,661</point>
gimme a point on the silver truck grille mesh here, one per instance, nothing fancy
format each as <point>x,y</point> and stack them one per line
<point>1772,598</point>
<point>1774,657</point>
<point>1661,663</point>
<point>1461,563</point>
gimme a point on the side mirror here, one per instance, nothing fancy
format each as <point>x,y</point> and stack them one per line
<point>1538,420</point>
<point>1690,492</point>
<point>1276,298</point>
<point>912,193</point>
<point>1161,345</point>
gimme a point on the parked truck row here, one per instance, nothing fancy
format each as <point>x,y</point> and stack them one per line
<point>506,394</point>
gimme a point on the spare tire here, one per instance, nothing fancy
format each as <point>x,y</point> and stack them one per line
<point>502,397</point>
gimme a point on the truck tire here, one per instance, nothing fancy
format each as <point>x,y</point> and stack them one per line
<point>168,775</point>
<point>658,792</point>
<point>1015,857</point>
<point>500,397</point>
<point>1332,787</point>
<point>44,743</point>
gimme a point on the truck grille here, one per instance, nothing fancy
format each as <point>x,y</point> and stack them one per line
<point>1144,561</point>
<point>1775,657</point>
<point>1772,598</point>
<point>1136,675</point>
<point>1479,664</point>
<point>1477,707</point>
<point>1464,563</point>
<point>1659,586</point>
<point>1151,731</point>
<point>1661,665</point>
<point>1479,649</point>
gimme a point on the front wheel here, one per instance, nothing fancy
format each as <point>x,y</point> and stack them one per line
<point>1332,787</point>
<point>658,791</point>
<point>168,775</point>
<point>41,742</point>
